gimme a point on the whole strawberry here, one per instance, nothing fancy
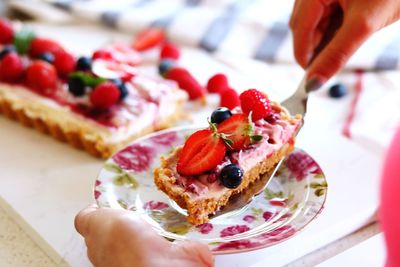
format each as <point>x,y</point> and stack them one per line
<point>170,51</point>
<point>42,77</point>
<point>40,46</point>
<point>255,102</point>
<point>6,32</point>
<point>105,95</point>
<point>11,68</point>
<point>229,98</point>
<point>217,83</point>
<point>186,82</point>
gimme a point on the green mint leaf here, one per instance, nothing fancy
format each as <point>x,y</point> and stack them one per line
<point>88,80</point>
<point>228,142</point>
<point>23,39</point>
<point>256,138</point>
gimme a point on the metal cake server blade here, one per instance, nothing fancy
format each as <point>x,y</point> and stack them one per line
<point>239,202</point>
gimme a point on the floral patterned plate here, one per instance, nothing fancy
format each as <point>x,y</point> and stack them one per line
<point>292,199</point>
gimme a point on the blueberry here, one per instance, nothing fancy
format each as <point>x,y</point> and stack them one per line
<point>84,64</point>
<point>7,50</point>
<point>48,57</point>
<point>338,90</point>
<point>165,65</point>
<point>220,114</point>
<point>122,88</point>
<point>117,81</point>
<point>76,86</point>
<point>231,176</point>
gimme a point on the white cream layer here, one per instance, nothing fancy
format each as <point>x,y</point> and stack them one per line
<point>138,112</point>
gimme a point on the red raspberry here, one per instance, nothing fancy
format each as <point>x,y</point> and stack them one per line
<point>42,76</point>
<point>256,102</point>
<point>186,82</point>
<point>229,98</point>
<point>169,51</point>
<point>64,63</point>
<point>11,68</point>
<point>217,83</point>
<point>102,54</point>
<point>41,45</point>
<point>6,32</point>
<point>105,95</point>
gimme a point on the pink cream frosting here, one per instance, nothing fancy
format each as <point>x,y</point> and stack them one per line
<point>275,135</point>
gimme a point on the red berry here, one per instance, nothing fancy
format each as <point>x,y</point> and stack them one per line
<point>149,38</point>
<point>238,130</point>
<point>6,32</point>
<point>170,51</point>
<point>217,83</point>
<point>229,98</point>
<point>42,76</point>
<point>202,152</point>
<point>102,54</point>
<point>64,63</point>
<point>105,95</point>
<point>186,82</point>
<point>41,45</point>
<point>11,68</point>
<point>256,102</point>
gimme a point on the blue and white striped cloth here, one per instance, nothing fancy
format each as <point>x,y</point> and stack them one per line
<point>255,29</point>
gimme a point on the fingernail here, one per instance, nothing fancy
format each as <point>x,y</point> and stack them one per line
<point>313,84</point>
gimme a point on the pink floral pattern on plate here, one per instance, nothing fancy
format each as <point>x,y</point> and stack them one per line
<point>283,209</point>
<point>136,158</point>
<point>155,205</point>
<point>300,164</point>
<point>234,230</point>
<point>165,139</point>
<point>205,228</point>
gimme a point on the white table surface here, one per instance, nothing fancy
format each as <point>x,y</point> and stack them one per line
<point>44,183</point>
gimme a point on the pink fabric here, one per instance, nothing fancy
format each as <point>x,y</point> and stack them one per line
<point>390,203</point>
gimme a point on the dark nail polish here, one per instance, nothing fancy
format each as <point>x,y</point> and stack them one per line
<point>313,84</point>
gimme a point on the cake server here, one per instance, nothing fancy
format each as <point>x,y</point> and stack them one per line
<point>295,104</point>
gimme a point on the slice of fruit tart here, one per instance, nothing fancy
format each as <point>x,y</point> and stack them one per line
<point>98,103</point>
<point>236,150</point>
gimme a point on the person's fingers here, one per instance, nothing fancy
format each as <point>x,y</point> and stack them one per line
<point>82,219</point>
<point>353,32</point>
<point>304,22</point>
<point>198,252</point>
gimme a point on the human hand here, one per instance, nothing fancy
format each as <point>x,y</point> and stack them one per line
<point>120,238</point>
<point>310,19</point>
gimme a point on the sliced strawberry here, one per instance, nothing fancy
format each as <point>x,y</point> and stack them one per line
<point>239,130</point>
<point>149,38</point>
<point>202,152</point>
